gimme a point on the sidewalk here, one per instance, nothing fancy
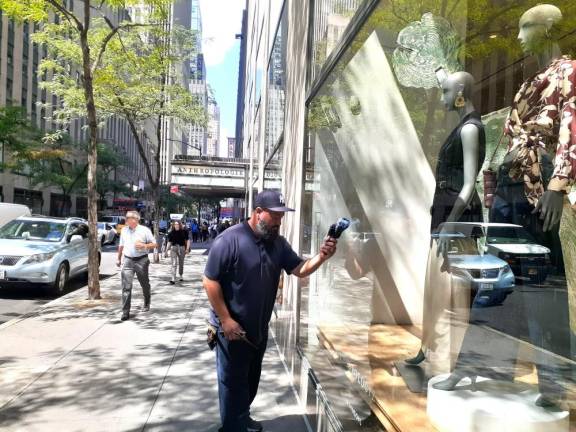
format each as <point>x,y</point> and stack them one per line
<point>74,366</point>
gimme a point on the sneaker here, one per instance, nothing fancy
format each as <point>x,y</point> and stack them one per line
<point>146,308</point>
<point>125,316</point>
<point>172,282</point>
<point>254,426</point>
<point>181,279</point>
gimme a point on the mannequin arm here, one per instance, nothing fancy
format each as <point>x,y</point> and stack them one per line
<point>470,145</point>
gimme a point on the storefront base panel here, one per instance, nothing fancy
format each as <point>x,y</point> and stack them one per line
<point>349,382</point>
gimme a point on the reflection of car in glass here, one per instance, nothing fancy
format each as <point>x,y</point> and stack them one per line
<point>106,233</point>
<point>519,249</point>
<point>43,250</point>
<point>491,279</point>
<point>9,211</point>
<point>117,222</point>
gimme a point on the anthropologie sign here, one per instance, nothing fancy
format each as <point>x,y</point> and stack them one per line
<point>211,171</point>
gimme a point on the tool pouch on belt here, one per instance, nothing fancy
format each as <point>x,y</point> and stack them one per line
<point>211,336</point>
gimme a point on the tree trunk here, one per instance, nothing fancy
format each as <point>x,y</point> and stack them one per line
<point>93,248</point>
<point>156,219</point>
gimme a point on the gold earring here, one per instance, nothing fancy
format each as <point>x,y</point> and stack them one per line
<point>460,102</point>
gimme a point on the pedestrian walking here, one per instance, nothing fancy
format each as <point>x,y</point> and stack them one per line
<point>178,244</point>
<point>241,280</point>
<point>195,231</point>
<point>204,232</point>
<point>135,242</point>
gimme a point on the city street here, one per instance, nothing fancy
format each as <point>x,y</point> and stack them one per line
<point>17,301</point>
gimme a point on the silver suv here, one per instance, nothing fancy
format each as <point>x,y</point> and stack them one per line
<point>43,250</point>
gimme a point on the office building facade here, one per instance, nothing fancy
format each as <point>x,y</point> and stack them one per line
<point>19,86</point>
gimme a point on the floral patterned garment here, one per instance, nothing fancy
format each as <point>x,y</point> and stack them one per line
<point>543,118</point>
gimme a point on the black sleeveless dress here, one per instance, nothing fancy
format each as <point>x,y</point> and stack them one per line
<point>450,175</point>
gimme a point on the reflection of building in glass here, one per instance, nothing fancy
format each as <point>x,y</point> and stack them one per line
<point>275,93</point>
<point>331,17</point>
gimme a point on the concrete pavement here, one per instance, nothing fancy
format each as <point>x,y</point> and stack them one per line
<point>74,366</point>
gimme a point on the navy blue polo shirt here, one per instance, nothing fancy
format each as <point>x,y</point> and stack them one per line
<point>248,270</point>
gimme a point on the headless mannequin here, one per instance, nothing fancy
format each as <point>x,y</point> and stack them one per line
<point>535,39</point>
<point>456,96</point>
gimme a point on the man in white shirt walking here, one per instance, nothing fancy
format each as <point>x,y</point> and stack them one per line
<point>135,242</point>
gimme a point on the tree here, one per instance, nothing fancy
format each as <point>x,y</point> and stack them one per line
<point>110,160</point>
<point>75,43</point>
<point>142,87</point>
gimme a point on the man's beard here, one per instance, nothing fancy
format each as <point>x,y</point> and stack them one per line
<point>265,232</point>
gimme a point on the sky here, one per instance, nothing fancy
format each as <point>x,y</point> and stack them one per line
<point>221,21</point>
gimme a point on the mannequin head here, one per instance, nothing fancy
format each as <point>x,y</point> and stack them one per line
<point>537,28</point>
<point>458,84</point>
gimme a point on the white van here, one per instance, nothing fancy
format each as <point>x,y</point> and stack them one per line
<point>9,211</point>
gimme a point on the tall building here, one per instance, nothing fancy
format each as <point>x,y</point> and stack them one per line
<point>178,138</point>
<point>19,86</point>
<point>239,152</point>
<point>213,132</point>
<point>231,150</point>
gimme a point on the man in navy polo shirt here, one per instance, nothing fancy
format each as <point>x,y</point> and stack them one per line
<point>241,279</point>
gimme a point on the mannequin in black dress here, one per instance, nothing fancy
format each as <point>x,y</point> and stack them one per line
<point>455,198</point>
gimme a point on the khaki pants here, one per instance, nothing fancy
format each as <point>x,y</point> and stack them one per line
<point>446,313</point>
<point>140,267</point>
<point>177,254</point>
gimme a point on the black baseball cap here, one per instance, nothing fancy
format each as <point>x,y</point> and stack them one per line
<point>271,200</point>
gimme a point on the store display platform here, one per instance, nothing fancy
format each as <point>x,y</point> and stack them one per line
<point>492,406</point>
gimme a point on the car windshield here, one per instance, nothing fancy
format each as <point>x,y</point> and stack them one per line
<point>462,246</point>
<point>502,234</point>
<point>33,230</point>
<point>109,219</point>
<point>101,225</point>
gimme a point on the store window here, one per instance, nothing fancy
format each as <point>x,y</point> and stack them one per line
<point>451,301</point>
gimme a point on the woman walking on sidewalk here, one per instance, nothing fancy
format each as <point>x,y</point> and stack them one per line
<point>178,245</point>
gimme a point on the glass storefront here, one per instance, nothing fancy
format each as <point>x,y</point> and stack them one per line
<point>446,134</point>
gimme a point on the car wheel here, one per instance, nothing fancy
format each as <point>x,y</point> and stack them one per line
<point>61,282</point>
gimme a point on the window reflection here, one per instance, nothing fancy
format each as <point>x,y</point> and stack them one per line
<point>487,291</point>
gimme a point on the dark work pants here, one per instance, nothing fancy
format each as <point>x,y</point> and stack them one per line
<point>239,366</point>
<point>140,267</point>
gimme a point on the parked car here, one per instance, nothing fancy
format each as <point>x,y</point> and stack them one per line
<point>490,278</point>
<point>512,243</point>
<point>43,250</point>
<point>116,221</point>
<point>519,249</point>
<point>106,233</point>
<point>9,211</point>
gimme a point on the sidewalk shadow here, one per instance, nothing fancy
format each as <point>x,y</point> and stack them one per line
<point>288,423</point>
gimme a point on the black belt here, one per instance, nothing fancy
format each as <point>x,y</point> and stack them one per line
<point>136,258</point>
